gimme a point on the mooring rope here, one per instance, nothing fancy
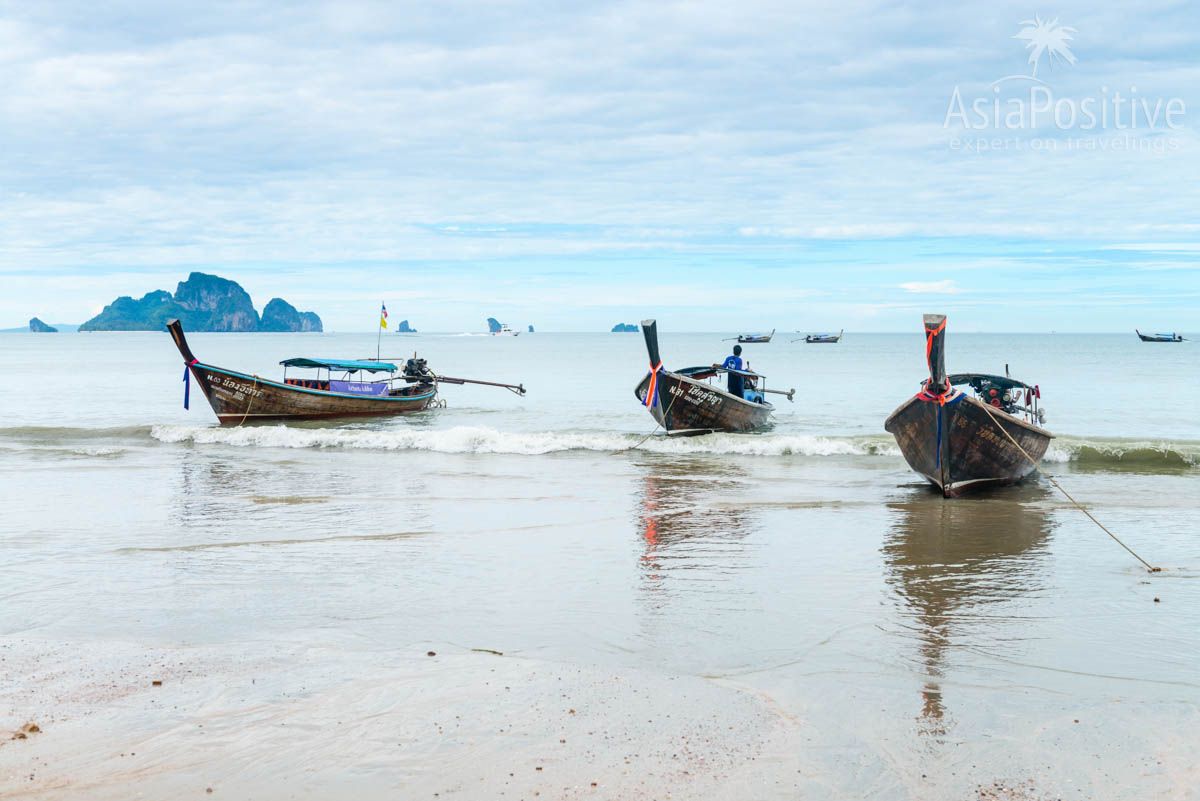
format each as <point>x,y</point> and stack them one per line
<point>653,431</point>
<point>249,405</point>
<point>1059,487</point>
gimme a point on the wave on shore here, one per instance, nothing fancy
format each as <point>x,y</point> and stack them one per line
<point>470,439</point>
<point>1080,453</point>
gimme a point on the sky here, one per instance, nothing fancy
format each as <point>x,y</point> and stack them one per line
<point>719,166</point>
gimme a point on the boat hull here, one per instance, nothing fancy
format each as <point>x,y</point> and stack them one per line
<point>688,406</point>
<point>238,398</point>
<point>959,447</point>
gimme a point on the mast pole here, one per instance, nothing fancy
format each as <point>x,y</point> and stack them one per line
<point>379,333</point>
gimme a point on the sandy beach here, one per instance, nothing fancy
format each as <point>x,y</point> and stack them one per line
<point>678,625</point>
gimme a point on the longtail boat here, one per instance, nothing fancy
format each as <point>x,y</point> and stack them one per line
<point>1158,337</point>
<point>338,389</point>
<point>961,441</point>
<point>824,339</point>
<point>755,338</point>
<point>686,402</point>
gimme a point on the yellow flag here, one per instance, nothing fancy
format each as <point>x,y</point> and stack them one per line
<point>383,316</point>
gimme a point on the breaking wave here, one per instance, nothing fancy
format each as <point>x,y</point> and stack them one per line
<point>1124,454</point>
<point>468,439</point>
<point>1078,452</point>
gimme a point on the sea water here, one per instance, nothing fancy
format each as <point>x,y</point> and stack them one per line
<point>783,614</point>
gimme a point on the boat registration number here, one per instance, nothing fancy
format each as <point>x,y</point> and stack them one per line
<point>697,395</point>
<point>238,389</point>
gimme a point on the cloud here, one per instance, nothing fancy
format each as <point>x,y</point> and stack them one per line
<point>335,142</point>
<point>946,287</point>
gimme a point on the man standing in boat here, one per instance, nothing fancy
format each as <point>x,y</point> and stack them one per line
<point>737,382</point>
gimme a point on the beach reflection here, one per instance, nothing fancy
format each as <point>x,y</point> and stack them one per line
<point>956,564</point>
<point>691,521</point>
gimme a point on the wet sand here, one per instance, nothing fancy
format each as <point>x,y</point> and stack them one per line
<point>791,628</point>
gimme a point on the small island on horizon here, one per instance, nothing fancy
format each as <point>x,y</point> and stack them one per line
<point>624,328</point>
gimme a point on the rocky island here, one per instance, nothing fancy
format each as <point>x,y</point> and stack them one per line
<point>38,327</point>
<point>624,328</point>
<point>202,303</point>
<point>405,328</point>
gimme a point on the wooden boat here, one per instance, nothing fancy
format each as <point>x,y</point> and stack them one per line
<point>685,402</point>
<point>1158,337</point>
<point>755,338</point>
<point>961,441</point>
<point>238,397</point>
<point>824,339</point>
<point>505,331</point>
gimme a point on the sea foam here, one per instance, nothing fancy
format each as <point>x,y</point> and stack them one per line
<point>470,439</point>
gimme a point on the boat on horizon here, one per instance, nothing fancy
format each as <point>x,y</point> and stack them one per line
<point>960,441</point>
<point>1172,337</point>
<point>755,338</point>
<point>824,339</point>
<point>237,397</point>
<point>686,402</point>
<point>505,331</point>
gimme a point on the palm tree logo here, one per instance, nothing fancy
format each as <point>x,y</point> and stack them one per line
<point>1047,39</point>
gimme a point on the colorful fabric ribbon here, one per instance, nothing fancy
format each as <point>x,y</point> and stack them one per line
<point>652,390</point>
<point>187,382</point>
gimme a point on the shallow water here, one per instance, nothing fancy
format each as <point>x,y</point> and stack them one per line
<point>794,612</point>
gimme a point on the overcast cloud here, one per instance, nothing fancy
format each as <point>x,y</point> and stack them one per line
<point>715,164</point>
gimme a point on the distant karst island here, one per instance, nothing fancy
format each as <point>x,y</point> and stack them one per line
<point>202,303</point>
<point>624,328</point>
<point>494,325</point>
<point>405,328</point>
<point>531,329</point>
<point>38,327</point>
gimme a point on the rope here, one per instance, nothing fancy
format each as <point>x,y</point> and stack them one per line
<point>1059,487</point>
<point>653,431</point>
<point>249,405</point>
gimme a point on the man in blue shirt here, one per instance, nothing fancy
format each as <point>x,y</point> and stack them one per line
<point>737,382</point>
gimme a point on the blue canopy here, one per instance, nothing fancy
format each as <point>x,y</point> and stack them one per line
<point>349,366</point>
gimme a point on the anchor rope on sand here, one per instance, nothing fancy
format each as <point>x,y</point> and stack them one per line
<point>1059,487</point>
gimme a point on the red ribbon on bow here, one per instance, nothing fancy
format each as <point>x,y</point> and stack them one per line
<point>652,389</point>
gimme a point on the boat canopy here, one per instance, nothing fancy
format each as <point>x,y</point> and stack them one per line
<point>981,381</point>
<point>350,366</point>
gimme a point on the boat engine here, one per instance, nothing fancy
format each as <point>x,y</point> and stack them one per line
<point>416,368</point>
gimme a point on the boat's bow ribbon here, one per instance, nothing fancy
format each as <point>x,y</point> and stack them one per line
<point>652,389</point>
<point>947,394</point>
<point>187,382</point>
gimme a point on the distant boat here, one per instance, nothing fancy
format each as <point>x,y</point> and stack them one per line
<point>823,339</point>
<point>684,402</point>
<point>1158,337</point>
<point>238,397</point>
<point>755,338</point>
<point>505,331</point>
<point>961,442</point>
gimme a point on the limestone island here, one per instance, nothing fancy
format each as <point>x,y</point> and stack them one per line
<point>202,303</point>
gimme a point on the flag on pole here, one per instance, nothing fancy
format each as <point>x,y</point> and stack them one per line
<point>383,315</point>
